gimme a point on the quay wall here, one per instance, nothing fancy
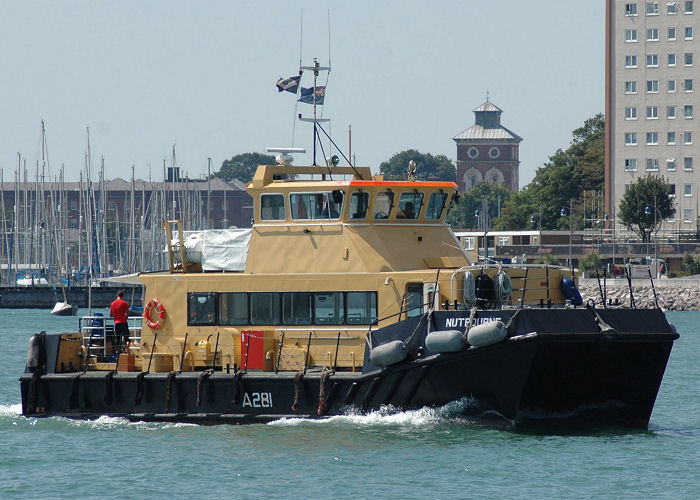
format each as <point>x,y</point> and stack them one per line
<point>673,294</point>
<point>46,297</point>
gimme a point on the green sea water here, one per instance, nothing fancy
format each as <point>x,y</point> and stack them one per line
<point>421,454</point>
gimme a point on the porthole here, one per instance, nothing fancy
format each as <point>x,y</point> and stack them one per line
<point>473,152</point>
<point>494,152</point>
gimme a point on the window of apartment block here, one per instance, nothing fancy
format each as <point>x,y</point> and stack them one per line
<point>652,86</point>
<point>672,190</point>
<point>630,61</point>
<point>687,137</point>
<point>671,164</point>
<point>670,138</point>
<point>652,164</point>
<point>631,138</point>
<point>688,163</point>
<point>652,8</point>
<point>652,113</point>
<point>671,85</point>
<point>652,138</point>
<point>671,8</point>
<point>630,35</point>
<point>688,58</point>
<point>652,34</point>
<point>631,9</point>
<point>672,33</point>
<point>670,112</point>
<point>688,214</point>
<point>688,84</point>
<point>687,190</point>
<point>688,32</point>
<point>631,164</point>
<point>688,7</point>
<point>652,60</point>
<point>672,59</point>
<point>631,113</point>
<point>688,111</point>
<point>630,87</point>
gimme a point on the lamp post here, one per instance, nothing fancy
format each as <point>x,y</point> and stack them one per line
<point>563,214</point>
<point>647,211</point>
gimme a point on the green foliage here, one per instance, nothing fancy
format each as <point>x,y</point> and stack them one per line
<point>243,166</point>
<point>462,214</point>
<point>427,166</point>
<point>568,177</point>
<point>590,262</point>
<point>652,190</point>
<point>691,263</point>
<point>548,259</point>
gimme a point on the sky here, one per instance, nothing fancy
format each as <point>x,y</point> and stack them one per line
<point>144,76</point>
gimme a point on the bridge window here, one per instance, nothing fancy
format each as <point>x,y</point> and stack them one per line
<point>358,205</point>
<point>410,204</point>
<point>323,205</point>
<point>436,204</point>
<point>233,308</point>
<point>201,309</point>
<point>272,207</point>
<point>383,203</point>
<point>265,308</point>
<point>296,308</point>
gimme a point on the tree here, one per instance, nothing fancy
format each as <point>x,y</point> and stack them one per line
<point>651,191</point>
<point>691,263</point>
<point>243,166</point>
<point>427,166</point>
<point>569,177</point>
<point>484,197</point>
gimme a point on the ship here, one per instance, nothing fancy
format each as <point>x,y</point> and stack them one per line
<point>350,293</point>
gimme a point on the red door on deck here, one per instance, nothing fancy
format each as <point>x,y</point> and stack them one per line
<point>252,350</point>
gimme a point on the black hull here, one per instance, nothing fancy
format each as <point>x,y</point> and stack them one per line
<point>530,379</point>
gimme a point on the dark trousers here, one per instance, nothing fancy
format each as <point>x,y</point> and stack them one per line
<point>121,334</point>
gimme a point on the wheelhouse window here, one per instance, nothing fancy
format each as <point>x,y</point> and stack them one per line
<point>361,307</point>
<point>383,204</point>
<point>272,207</point>
<point>201,309</point>
<point>329,308</point>
<point>264,308</point>
<point>359,201</point>
<point>296,308</point>
<point>410,204</point>
<point>436,204</point>
<point>323,205</point>
<point>233,308</point>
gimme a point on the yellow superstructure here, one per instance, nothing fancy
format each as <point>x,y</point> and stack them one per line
<point>326,260</point>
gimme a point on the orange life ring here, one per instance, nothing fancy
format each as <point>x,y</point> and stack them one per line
<point>154,303</point>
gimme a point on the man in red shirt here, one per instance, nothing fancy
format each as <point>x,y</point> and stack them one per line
<point>119,310</point>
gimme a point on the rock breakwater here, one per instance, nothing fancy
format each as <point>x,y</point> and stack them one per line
<point>673,295</point>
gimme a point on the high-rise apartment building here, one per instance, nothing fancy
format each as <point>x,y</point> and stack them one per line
<point>652,109</point>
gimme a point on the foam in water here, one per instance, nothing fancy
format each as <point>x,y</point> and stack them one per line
<point>389,416</point>
<point>11,410</point>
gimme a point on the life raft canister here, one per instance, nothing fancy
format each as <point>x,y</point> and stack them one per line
<point>568,288</point>
<point>154,303</point>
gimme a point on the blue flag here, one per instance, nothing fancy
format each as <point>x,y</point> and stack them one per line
<point>290,84</point>
<point>307,95</point>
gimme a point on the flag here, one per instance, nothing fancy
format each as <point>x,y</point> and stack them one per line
<point>307,95</point>
<point>290,84</point>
